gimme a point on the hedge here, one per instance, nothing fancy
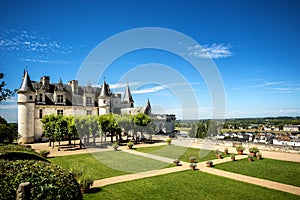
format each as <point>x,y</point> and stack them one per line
<point>19,152</point>
<point>48,181</point>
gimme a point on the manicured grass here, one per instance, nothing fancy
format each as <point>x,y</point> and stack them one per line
<point>109,163</point>
<point>186,185</point>
<point>275,170</point>
<point>181,153</point>
<point>89,162</point>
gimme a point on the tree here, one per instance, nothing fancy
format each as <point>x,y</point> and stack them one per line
<point>8,132</point>
<point>201,130</point>
<point>4,93</point>
<point>55,128</point>
<point>49,123</point>
<point>71,129</point>
<point>142,120</point>
<point>93,127</point>
<point>61,129</point>
<point>109,125</point>
<point>81,127</point>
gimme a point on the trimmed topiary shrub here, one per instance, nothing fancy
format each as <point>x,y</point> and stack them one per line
<point>48,181</point>
<point>13,147</point>
<point>19,152</point>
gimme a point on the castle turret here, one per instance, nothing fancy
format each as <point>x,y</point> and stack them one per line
<point>26,104</point>
<point>104,100</point>
<point>128,97</point>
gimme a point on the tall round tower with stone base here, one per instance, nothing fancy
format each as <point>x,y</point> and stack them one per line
<point>26,105</point>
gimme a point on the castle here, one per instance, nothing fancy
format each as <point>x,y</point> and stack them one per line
<point>37,99</point>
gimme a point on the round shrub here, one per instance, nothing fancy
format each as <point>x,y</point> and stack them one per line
<point>48,181</point>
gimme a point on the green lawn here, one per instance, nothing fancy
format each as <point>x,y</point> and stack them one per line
<point>186,185</point>
<point>109,163</point>
<point>181,153</point>
<point>275,170</point>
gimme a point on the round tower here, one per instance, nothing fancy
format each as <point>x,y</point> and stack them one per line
<point>26,106</point>
<point>104,100</point>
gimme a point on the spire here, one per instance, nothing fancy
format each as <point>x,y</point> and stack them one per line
<point>127,96</point>
<point>148,103</point>
<point>104,90</point>
<point>148,108</point>
<point>26,84</point>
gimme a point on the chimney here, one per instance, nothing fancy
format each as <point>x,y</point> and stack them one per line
<point>74,86</point>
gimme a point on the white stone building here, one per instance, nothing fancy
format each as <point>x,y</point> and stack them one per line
<point>37,99</point>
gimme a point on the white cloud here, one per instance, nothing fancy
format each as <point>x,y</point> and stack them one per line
<point>123,85</point>
<point>148,90</point>
<point>12,40</point>
<point>210,51</point>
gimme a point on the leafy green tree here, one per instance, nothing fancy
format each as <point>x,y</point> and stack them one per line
<point>49,125</point>
<point>71,129</point>
<point>201,130</point>
<point>109,125</point>
<point>81,127</point>
<point>8,132</point>
<point>4,92</point>
<point>125,122</point>
<point>93,127</point>
<point>61,129</point>
<point>141,120</point>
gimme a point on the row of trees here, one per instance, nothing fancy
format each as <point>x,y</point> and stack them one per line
<point>205,128</point>
<point>58,127</point>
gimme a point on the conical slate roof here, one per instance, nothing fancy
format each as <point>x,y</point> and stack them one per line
<point>26,84</point>
<point>104,90</point>
<point>127,96</point>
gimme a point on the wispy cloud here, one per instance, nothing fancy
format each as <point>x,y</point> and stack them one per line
<point>13,40</point>
<point>123,85</point>
<point>272,86</point>
<point>149,90</point>
<point>213,51</point>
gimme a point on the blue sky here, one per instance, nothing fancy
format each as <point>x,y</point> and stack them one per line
<point>254,45</point>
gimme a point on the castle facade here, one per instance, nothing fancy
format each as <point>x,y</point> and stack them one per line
<point>39,98</point>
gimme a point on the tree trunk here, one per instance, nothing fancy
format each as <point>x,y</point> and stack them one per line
<point>111,137</point>
<point>58,146</point>
<point>80,143</point>
<point>70,138</point>
<point>49,143</point>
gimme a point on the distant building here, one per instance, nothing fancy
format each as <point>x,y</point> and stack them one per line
<point>37,99</point>
<point>291,128</point>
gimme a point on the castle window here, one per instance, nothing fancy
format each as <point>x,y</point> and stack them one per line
<point>30,97</point>
<point>88,112</point>
<point>88,100</point>
<point>41,97</point>
<point>60,112</point>
<point>104,101</point>
<point>41,113</point>
<point>60,98</point>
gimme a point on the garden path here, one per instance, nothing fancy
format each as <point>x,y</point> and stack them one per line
<point>185,166</point>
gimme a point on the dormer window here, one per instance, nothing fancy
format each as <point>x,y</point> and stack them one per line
<point>30,97</point>
<point>88,100</point>
<point>60,98</point>
<point>40,97</point>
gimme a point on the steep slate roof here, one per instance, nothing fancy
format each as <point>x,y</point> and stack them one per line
<point>26,84</point>
<point>104,90</point>
<point>127,96</point>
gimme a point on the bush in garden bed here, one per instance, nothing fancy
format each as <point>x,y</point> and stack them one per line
<point>48,181</point>
<point>19,152</point>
